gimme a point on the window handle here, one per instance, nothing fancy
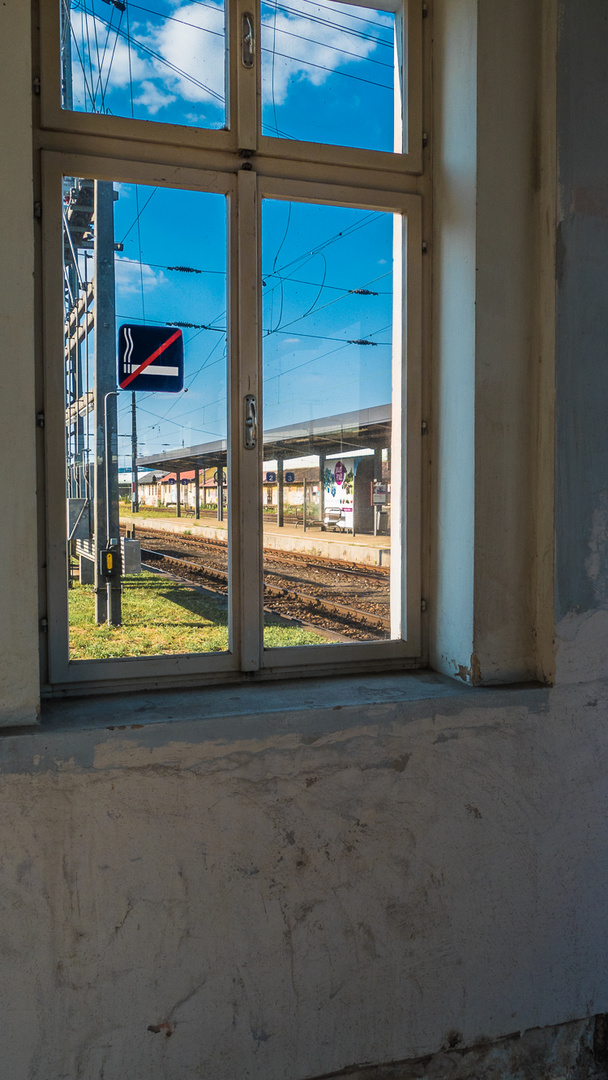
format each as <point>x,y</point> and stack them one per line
<point>251,422</point>
<point>248,41</point>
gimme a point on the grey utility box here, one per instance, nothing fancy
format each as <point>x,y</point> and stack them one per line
<point>79,519</point>
<point>131,556</point>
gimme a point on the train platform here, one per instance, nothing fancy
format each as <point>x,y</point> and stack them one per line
<point>369,550</point>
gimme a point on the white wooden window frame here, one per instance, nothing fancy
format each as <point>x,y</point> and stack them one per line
<point>243,100</point>
<point>81,144</point>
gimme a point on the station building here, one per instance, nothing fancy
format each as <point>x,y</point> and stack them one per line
<point>381,874</point>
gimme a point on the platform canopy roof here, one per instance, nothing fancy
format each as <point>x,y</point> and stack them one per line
<point>345,433</point>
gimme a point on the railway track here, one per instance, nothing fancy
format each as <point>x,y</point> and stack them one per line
<point>357,570</point>
<point>280,597</point>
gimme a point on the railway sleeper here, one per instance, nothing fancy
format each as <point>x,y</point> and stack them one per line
<point>340,611</point>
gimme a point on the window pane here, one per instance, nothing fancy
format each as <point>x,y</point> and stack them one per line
<point>328,74</point>
<point>328,356</point>
<point>138,282</point>
<point>162,62</point>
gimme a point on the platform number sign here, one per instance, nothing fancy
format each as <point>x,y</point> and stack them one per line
<point>150,358</point>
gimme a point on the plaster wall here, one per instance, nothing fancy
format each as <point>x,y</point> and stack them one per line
<point>487,73</point>
<point>276,883</point>
<point>581,601</point>
<point>453,361</point>
<point>284,882</point>
<point>18,524</point>
<point>508,258</point>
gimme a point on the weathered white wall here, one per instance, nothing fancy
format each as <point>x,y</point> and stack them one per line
<point>292,892</point>
<point>581,606</point>
<point>18,525</point>
<point>453,359</point>
<point>276,883</point>
<point>488,68</point>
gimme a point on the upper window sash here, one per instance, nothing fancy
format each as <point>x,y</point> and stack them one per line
<point>261,77</point>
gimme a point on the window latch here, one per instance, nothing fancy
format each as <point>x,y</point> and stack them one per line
<point>251,422</point>
<point>248,41</point>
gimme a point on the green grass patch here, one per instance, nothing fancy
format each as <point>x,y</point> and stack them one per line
<point>161,616</point>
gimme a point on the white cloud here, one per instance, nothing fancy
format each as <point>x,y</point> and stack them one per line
<point>306,43</point>
<point>185,45</point>
<point>195,46</point>
<point>152,98</point>
<point>129,276</point>
<point>107,55</point>
<point>192,46</point>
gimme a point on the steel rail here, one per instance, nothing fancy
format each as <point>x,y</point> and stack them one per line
<point>354,615</point>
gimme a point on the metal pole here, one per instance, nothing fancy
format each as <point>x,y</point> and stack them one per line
<point>106,513</point>
<point>220,493</point>
<point>113,596</point>
<point>321,486</point>
<point>66,56</point>
<point>197,494</point>
<point>134,479</point>
<point>178,494</point>
<point>280,477</point>
<point>304,509</point>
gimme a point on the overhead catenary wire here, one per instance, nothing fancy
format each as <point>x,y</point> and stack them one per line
<point>276,272</point>
<point>134,223</point>
<point>326,45</point>
<point>157,56</point>
<point>324,7</point>
<point>222,273</point>
<point>186,75</point>
<point>102,52</point>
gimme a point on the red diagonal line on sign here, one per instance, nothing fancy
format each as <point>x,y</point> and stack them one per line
<point>157,352</point>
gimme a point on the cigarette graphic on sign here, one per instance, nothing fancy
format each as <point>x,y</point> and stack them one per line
<point>150,358</point>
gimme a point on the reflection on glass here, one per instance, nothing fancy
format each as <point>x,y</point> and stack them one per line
<point>328,74</point>
<point>138,460</point>
<point>328,355</point>
<point>165,62</point>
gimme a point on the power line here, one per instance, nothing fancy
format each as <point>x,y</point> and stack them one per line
<point>182,22</point>
<point>323,67</point>
<point>131,227</point>
<point>161,266</point>
<point>159,57</point>
<point>313,310</point>
<point>223,273</point>
<point>325,7</point>
<point>331,24</point>
<point>326,45</point>
<point>183,74</point>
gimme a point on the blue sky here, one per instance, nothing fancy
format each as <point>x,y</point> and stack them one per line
<point>326,270</point>
<point>326,68</point>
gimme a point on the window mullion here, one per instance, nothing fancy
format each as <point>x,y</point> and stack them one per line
<point>247,463</point>
<point>244,20</point>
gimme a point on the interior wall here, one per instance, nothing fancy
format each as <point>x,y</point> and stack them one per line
<point>19,675</point>
<point>322,876</point>
<point>581,600</point>
<point>508,260</point>
<point>454,142</point>
<point>487,70</point>
<point>282,882</point>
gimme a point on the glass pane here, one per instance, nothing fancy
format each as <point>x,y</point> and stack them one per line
<point>328,74</point>
<point>145,463</point>
<point>164,63</point>
<point>328,355</point>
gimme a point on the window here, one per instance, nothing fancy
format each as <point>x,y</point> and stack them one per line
<point>244,182</point>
